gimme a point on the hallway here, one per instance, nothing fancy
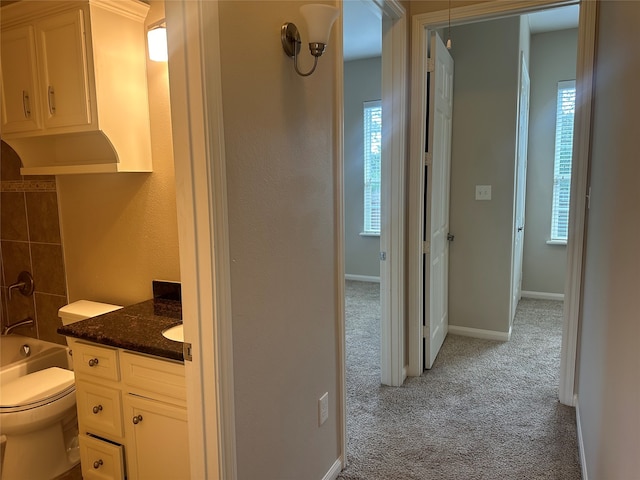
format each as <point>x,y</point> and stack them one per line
<point>486,409</point>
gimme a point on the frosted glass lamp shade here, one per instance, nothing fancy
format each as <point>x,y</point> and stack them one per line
<point>157,41</point>
<point>319,20</point>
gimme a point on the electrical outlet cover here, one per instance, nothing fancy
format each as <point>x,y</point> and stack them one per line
<point>483,192</point>
<point>323,408</point>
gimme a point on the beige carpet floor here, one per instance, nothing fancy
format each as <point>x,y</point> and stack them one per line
<point>486,410</point>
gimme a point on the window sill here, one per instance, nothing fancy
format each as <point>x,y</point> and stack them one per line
<point>369,234</point>
<point>557,242</point>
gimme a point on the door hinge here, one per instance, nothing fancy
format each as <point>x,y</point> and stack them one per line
<point>428,158</point>
<point>431,65</point>
<point>426,248</point>
<point>450,237</point>
<point>383,256</point>
<point>425,331</point>
<point>186,351</point>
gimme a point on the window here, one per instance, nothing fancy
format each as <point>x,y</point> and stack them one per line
<point>372,169</point>
<point>565,110</point>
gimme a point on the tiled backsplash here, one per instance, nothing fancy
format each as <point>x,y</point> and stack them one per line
<point>30,240</point>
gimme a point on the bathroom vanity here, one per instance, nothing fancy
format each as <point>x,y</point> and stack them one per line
<point>130,394</point>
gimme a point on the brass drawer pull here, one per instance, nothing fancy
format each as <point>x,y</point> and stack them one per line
<point>93,362</point>
<point>137,419</point>
<point>97,464</point>
<point>97,409</point>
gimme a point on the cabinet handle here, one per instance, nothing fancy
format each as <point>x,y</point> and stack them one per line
<point>97,409</point>
<point>52,100</point>
<point>137,419</point>
<point>93,362</point>
<point>97,464</point>
<point>26,104</point>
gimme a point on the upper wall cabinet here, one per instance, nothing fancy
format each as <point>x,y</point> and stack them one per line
<point>74,86</point>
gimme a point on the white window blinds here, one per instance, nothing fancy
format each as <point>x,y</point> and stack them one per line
<point>372,169</point>
<point>565,110</point>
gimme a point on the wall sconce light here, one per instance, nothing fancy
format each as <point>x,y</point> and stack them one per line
<point>157,41</point>
<point>319,20</point>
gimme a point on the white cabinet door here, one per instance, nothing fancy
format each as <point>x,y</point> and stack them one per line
<point>157,445</point>
<point>20,96</point>
<point>64,76</point>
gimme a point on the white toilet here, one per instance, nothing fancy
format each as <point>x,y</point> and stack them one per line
<point>38,414</point>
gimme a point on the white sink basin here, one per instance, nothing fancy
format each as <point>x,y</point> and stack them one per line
<point>174,333</point>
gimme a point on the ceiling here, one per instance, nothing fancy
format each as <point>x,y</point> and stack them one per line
<point>363,26</point>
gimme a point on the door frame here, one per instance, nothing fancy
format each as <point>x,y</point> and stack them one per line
<point>201,199</point>
<point>421,25</point>
<point>392,235</point>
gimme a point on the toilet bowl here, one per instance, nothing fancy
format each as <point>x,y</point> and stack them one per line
<point>36,411</point>
<point>38,414</point>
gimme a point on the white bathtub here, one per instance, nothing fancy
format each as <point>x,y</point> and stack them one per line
<point>42,355</point>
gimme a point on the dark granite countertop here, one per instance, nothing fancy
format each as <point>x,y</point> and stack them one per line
<point>137,328</point>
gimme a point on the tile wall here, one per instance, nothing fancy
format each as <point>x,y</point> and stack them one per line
<point>30,240</point>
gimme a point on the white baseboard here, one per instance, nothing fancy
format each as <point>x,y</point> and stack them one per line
<point>542,295</point>
<point>334,471</point>
<point>362,278</point>
<point>583,460</point>
<point>479,333</point>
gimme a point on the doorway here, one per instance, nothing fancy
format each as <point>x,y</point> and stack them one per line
<point>431,21</point>
<point>392,18</point>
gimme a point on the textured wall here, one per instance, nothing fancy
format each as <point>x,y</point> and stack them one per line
<point>30,240</point>
<point>362,82</point>
<point>120,230</point>
<point>279,141</point>
<point>483,153</point>
<point>553,59</point>
<point>609,361</point>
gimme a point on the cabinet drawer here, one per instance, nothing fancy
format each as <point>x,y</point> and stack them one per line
<point>163,377</point>
<point>100,460</point>
<point>99,409</point>
<point>96,361</point>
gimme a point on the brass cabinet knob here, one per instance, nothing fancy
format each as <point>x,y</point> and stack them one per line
<point>137,419</point>
<point>97,409</point>
<point>93,362</point>
<point>97,464</point>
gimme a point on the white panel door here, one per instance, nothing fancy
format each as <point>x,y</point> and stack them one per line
<point>437,172</point>
<point>521,186</point>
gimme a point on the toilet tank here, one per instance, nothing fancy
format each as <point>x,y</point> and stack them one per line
<point>83,309</point>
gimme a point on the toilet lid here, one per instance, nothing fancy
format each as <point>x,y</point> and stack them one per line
<point>37,388</point>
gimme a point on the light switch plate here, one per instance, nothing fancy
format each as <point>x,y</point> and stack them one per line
<point>483,192</point>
